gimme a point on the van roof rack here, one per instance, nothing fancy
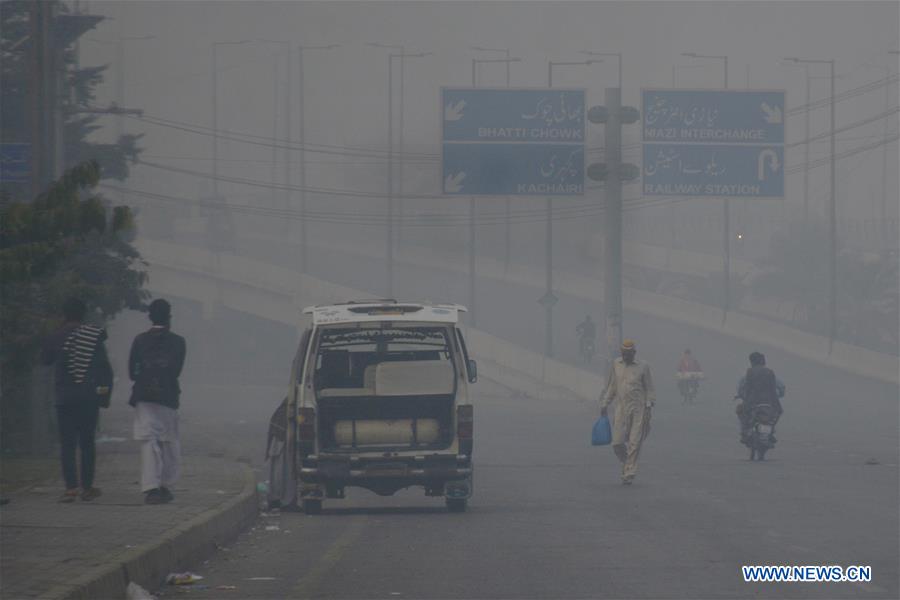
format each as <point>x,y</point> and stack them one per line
<point>371,301</point>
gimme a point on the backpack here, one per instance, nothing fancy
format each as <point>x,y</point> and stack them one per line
<point>154,372</point>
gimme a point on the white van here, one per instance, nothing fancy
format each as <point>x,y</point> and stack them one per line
<point>379,399</point>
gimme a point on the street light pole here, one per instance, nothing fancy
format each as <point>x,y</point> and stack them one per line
<point>884,139</point>
<point>389,242</point>
<point>472,238</point>
<point>832,206</point>
<point>726,210</point>
<point>548,297</point>
<point>120,80</point>
<point>506,202</point>
<point>618,56</point>
<point>288,152</point>
<point>304,242</point>
<point>806,145</point>
<point>215,114</point>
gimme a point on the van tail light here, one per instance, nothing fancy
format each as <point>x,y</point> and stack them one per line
<point>465,421</point>
<point>306,425</point>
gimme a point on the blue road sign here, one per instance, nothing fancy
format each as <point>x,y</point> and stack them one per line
<point>713,170</point>
<point>476,169</point>
<point>15,163</point>
<point>713,116</point>
<point>526,142</point>
<point>513,115</point>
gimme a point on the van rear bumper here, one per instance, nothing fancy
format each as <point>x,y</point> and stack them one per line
<point>411,469</point>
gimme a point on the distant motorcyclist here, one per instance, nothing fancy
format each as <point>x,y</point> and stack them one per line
<point>687,363</point>
<point>758,386</point>
<point>587,333</point>
<point>688,375</point>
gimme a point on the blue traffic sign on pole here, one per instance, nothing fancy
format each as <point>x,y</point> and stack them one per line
<point>513,141</point>
<point>513,169</point>
<point>511,115</point>
<point>713,170</point>
<point>722,143</point>
<point>713,116</point>
<point>15,163</point>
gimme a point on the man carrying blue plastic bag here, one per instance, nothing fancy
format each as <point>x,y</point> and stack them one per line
<point>631,387</point>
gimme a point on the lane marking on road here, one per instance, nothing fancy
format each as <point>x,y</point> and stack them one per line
<point>308,583</point>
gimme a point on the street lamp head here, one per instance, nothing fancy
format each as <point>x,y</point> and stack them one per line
<point>689,54</point>
<point>792,59</point>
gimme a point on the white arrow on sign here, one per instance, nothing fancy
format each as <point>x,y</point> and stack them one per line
<point>453,112</point>
<point>453,182</point>
<point>773,115</point>
<point>761,163</point>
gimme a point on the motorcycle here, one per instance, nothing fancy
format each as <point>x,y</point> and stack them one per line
<point>587,350</point>
<point>761,438</point>
<point>689,385</point>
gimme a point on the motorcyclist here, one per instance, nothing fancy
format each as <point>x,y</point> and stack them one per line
<point>758,386</point>
<point>687,364</point>
<point>587,332</point>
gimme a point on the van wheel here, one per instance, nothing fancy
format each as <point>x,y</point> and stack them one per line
<point>312,507</point>
<point>456,504</point>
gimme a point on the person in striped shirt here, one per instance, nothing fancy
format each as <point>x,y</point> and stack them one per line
<point>78,352</point>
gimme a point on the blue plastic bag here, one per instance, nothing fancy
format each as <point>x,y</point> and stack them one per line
<point>602,434</point>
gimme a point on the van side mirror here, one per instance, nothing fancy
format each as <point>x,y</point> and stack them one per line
<point>472,368</point>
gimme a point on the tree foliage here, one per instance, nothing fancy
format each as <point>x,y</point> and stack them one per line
<point>67,242</point>
<point>78,92</point>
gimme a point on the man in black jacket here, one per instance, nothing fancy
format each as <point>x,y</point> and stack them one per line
<point>81,364</point>
<point>154,364</point>
<point>758,386</point>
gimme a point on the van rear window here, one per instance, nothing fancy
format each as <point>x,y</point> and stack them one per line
<point>348,357</point>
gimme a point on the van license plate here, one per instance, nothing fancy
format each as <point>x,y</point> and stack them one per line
<point>387,469</point>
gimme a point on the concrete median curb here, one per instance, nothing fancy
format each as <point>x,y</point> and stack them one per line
<point>188,542</point>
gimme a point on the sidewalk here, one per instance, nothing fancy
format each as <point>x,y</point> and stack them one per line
<point>91,550</point>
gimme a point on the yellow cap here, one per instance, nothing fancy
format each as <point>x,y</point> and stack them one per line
<point>627,344</point>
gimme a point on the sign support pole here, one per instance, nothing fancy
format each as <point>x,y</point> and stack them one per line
<point>612,279</point>
<point>472,239</point>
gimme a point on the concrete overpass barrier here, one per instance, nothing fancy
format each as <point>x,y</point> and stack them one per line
<point>287,290</point>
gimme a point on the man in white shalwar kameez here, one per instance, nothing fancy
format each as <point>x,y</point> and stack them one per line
<point>154,364</point>
<point>631,387</point>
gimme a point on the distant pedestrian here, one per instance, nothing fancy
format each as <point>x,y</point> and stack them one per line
<point>631,387</point>
<point>154,364</point>
<point>83,383</point>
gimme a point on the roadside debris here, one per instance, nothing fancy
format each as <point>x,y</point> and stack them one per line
<point>186,578</point>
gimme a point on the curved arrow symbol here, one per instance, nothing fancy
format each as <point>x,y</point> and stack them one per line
<point>761,162</point>
<point>453,183</point>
